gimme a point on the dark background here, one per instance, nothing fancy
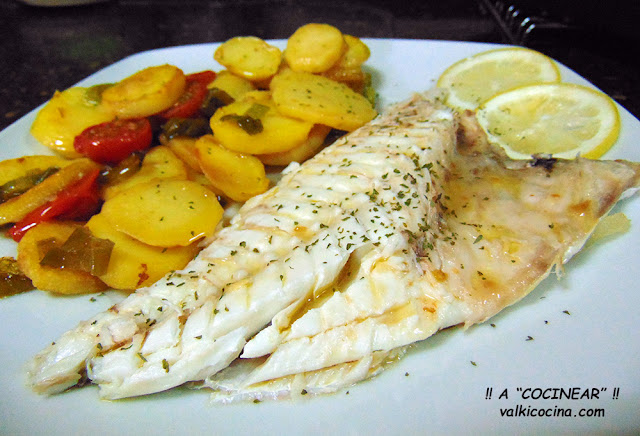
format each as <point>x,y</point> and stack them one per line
<point>47,48</point>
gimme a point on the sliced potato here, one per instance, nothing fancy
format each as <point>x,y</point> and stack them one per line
<point>249,57</point>
<point>16,208</point>
<point>233,85</point>
<point>314,48</point>
<point>45,278</point>
<point>277,132</point>
<point>300,153</point>
<point>159,163</point>
<point>355,79</point>
<point>65,116</point>
<point>134,264</point>
<point>356,54</point>
<point>348,69</point>
<point>239,176</point>
<point>164,213</point>
<point>203,180</point>
<point>264,84</point>
<point>12,169</point>
<point>320,100</point>
<point>146,92</point>
<point>184,148</point>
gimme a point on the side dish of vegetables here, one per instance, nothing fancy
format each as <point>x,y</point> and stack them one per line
<point>143,169</point>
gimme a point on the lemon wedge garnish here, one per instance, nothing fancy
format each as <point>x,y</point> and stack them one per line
<point>475,79</point>
<point>561,119</point>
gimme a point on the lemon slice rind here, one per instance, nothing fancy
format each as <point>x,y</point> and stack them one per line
<point>476,78</point>
<point>564,120</point>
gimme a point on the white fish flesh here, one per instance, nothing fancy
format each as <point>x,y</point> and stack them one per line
<point>411,224</point>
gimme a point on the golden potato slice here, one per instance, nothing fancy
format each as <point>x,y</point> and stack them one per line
<point>356,54</point>
<point>134,264</point>
<point>253,125</point>
<point>146,92</point>
<point>348,69</point>
<point>239,176</point>
<point>165,212</point>
<point>12,169</point>
<point>45,278</point>
<point>314,48</point>
<point>310,147</point>
<point>357,80</point>
<point>203,180</point>
<point>14,209</point>
<point>184,148</point>
<point>65,116</point>
<point>249,57</point>
<point>320,100</point>
<point>159,163</point>
<point>233,85</point>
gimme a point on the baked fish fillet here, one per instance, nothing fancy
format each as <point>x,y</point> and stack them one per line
<point>411,224</point>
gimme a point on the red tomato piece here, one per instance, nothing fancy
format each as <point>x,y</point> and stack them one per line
<point>78,202</point>
<point>204,77</point>
<point>111,142</point>
<point>188,105</point>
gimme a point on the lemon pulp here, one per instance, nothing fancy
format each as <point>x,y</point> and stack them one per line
<point>562,119</point>
<point>477,78</point>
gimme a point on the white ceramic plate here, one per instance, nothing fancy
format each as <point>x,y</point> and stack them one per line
<point>584,327</point>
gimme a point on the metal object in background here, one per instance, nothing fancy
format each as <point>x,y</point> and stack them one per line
<point>592,38</point>
<point>515,25</point>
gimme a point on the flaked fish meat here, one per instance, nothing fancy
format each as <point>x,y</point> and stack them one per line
<point>409,225</point>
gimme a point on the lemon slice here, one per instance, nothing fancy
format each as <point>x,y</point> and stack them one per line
<point>475,79</point>
<point>561,119</point>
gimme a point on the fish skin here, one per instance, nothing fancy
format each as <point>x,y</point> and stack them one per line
<point>367,205</point>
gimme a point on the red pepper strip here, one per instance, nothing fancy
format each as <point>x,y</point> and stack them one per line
<point>188,105</point>
<point>78,201</point>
